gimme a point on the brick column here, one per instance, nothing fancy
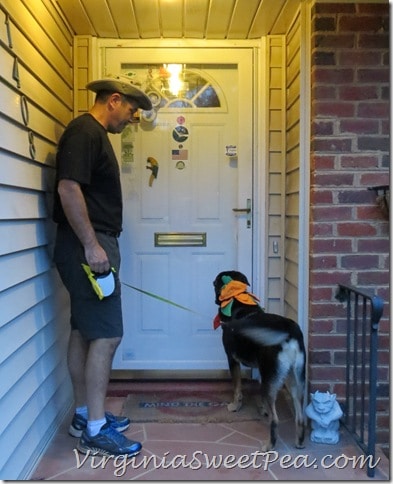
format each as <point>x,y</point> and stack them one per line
<point>349,233</point>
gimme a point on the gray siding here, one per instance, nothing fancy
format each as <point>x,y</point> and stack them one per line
<point>36,102</point>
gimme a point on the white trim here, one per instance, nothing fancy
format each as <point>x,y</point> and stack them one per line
<point>304,151</point>
<point>259,268</point>
<point>284,120</point>
<point>176,43</point>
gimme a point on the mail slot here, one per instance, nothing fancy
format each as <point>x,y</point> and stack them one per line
<point>180,239</point>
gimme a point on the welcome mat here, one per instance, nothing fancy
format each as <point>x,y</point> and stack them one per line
<point>189,407</point>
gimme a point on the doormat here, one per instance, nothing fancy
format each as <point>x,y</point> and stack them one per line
<point>189,407</point>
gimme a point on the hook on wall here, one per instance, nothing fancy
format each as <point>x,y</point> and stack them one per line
<point>383,198</point>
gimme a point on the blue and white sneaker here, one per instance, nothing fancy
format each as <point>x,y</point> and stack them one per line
<point>79,423</point>
<point>108,441</point>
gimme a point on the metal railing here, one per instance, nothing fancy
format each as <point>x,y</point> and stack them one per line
<point>364,310</point>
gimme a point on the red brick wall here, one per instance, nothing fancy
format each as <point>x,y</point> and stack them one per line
<point>349,232</point>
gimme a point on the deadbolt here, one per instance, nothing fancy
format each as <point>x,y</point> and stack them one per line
<point>246,210</point>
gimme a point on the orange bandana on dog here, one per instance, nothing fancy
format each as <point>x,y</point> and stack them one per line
<point>235,290</point>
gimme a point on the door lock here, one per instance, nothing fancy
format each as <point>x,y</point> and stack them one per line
<point>246,210</point>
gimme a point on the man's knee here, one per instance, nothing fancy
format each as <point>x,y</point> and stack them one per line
<point>115,342</point>
<point>105,345</point>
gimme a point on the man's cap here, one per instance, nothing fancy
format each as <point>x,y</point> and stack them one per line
<point>124,86</point>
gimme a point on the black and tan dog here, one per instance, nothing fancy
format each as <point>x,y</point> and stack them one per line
<point>272,343</point>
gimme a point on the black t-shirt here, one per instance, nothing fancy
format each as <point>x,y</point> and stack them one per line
<point>86,156</point>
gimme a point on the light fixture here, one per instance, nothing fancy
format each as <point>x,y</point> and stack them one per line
<point>175,82</point>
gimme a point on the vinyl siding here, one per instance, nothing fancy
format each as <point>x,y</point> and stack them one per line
<point>292,170</point>
<point>283,184</point>
<point>275,96</point>
<point>36,102</point>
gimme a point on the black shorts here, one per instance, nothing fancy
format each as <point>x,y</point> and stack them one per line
<point>92,317</point>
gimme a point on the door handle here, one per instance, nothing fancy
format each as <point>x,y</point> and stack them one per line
<point>246,210</point>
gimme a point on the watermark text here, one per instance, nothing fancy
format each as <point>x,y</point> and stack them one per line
<point>202,460</point>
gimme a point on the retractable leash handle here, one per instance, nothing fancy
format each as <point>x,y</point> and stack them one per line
<point>103,284</point>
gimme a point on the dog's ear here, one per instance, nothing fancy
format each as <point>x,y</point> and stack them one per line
<point>239,276</point>
<point>246,281</point>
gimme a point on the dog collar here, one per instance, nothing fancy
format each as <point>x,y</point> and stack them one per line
<point>216,321</point>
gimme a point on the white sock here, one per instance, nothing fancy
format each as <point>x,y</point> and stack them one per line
<point>82,411</point>
<point>94,426</point>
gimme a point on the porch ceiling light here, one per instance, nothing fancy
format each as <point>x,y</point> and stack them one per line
<point>175,82</point>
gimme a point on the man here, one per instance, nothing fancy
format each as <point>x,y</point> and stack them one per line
<point>88,210</point>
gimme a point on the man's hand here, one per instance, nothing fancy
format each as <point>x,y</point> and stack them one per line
<point>97,259</point>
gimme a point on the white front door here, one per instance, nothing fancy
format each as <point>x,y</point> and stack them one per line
<point>184,168</point>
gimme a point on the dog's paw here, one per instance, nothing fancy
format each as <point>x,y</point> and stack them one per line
<point>234,406</point>
<point>300,446</point>
<point>263,412</point>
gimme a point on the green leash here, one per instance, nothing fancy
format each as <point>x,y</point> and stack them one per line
<point>161,299</point>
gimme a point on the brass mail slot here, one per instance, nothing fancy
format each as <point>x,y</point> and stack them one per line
<point>180,239</point>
